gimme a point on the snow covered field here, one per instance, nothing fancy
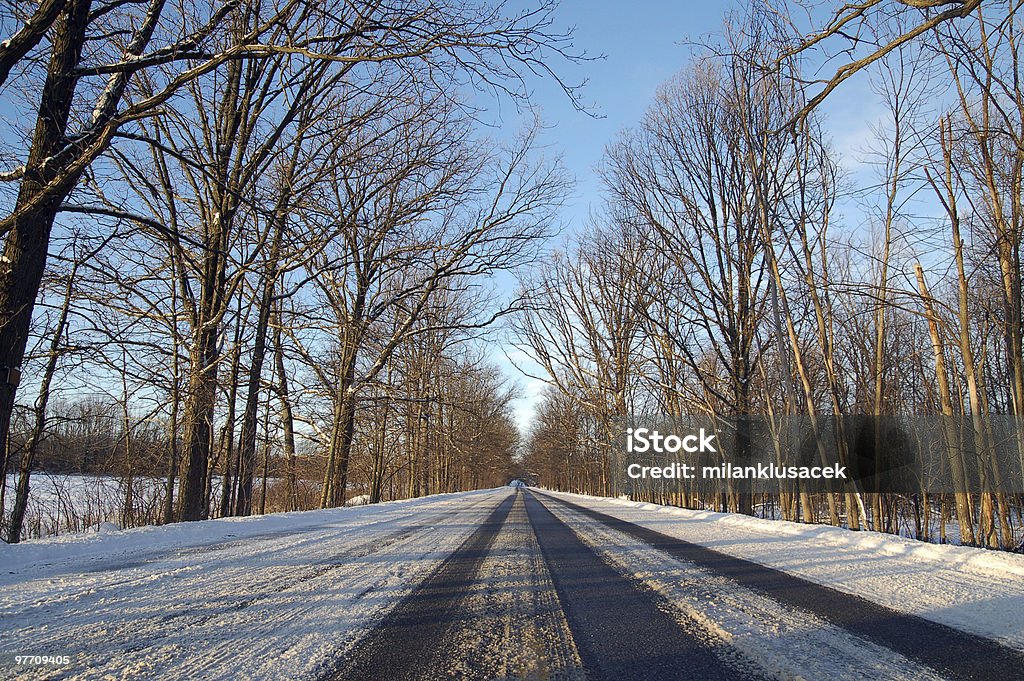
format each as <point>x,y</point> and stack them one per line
<point>60,504</point>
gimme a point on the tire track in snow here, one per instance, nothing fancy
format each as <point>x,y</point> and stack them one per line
<point>91,585</point>
<point>510,623</point>
<point>786,643</point>
<point>622,629</point>
<point>954,654</point>
<point>404,644</point>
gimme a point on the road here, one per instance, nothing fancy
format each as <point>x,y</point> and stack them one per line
<point>500,584</point>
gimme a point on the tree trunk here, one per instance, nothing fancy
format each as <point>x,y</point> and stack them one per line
<point>964,511</point>
<point>28,234</point>
<point>287,419</point>
<point>227,432</point>
<point>247,455</point>
<point>199,409</point>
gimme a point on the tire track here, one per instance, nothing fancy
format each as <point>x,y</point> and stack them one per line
<point>510,623</point>
<point>951,652</point>
<point>622,629</point>
<point>406,643</point>
<point>97,587</point>
<point>786,643</point>
<point>200,622</point>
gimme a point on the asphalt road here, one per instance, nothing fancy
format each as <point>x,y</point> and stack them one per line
<point>570,613</point>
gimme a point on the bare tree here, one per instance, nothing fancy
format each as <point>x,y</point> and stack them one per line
<point>864,33</point>
<point>684,173</point>
<point>583,324</point>
<point>143,54</point>
<point>419,214</point>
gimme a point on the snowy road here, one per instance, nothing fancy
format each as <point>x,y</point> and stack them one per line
<point>501,584</point>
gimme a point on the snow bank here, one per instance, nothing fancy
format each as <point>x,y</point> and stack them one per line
<point>997,563</point>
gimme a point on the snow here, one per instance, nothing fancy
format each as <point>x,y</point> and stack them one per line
<point>970,589</point>
<point>287,595</point>
<point>82,551</point>
<point>748,629</point>
<point>278,596</point>
<point>511,625</point>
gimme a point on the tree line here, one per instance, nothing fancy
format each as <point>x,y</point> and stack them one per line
<point>722,277</point>
<point>264,234</point>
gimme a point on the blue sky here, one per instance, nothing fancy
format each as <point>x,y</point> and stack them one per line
<point>644,43</point>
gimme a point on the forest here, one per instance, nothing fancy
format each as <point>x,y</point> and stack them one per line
<point>249,241</point>
<point>260,251</point>
<point>717,280</point>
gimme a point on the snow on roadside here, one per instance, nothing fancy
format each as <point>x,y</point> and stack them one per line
<point>971,589</point>
<point>280,600</point>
